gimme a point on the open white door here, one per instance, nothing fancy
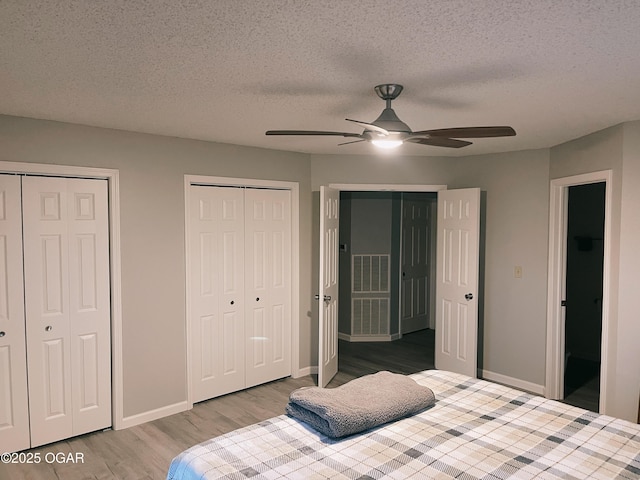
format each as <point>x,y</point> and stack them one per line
<point>457,281</point>
<point>328,297</point>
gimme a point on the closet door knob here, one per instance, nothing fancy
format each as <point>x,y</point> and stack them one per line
<point>48,328</point>
<point>232,302</point>
<point>2,334</point>
<point>257,299</point>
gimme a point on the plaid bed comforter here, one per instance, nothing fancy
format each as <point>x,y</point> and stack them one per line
<point>476,430</point>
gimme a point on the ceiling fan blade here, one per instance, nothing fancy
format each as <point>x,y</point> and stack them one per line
<point>352,141</point>
<point>469,132</point>
<point>439,142</point>
<point>369,126</point>
<point>312,132</point>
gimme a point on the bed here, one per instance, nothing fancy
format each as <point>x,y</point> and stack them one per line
<point>476,430</point>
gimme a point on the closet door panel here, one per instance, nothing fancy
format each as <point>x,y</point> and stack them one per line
<point>14,411</point>
<point>46,259</point>
<point>67,299</point>
<point>89,304</point>
<point>268,267</point>
<point>216,248</point>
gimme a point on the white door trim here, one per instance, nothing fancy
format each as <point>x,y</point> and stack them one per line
<point>383,187</point>
<point>113,179</point>
<point>295,260</point>
<point>554,385</point>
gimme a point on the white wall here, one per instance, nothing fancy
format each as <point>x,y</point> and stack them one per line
<point>152,170</point>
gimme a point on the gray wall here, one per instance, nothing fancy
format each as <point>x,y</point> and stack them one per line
<point>616,148</point>
<point>152,170</point>
<point>517,195</point>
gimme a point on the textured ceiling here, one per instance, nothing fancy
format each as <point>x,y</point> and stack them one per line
<point>227,71</point>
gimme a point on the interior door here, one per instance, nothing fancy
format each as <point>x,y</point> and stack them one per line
<point>267,284</point>
<point>415,266</point>
<point>328,296</point>
<point>457,280</point>
<point>67,305</point>
<point>14,406</point>
<point>216,236</point>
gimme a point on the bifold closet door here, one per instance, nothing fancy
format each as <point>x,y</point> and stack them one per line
<point>14,405</point>
<point>67,306</point>
<point>267,284</point>
<point>216,236</point>
<point>240,288</point>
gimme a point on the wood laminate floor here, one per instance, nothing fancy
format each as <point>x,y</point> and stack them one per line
<point>145,451</point>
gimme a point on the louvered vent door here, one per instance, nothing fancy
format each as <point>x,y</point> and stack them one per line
<point>370,295</point>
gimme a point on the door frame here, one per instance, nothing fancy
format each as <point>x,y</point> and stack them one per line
<point>294,187</point>
<point>558,216</point>
<point>112,177</point>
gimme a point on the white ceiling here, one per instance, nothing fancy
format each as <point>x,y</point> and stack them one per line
<point>227,70</point>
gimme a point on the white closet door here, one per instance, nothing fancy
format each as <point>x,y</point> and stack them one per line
<point>67,299</point>
<point>14,406</point>
<point>216,249</point>
<point>267,284</point>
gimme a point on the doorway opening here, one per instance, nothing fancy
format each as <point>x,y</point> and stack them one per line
<point>565,348</point>
<point>583,301</point>
<point>386,263</point>
<point>458,232</point>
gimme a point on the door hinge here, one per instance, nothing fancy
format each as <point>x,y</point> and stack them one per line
<point>563,303</point>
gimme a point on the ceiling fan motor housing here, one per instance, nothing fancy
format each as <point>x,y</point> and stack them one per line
<point>390,122</point>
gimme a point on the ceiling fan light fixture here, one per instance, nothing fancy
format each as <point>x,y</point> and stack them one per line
<point>386,143</point>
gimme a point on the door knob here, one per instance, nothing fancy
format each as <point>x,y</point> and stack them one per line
<point>327,298</point>
<point>2,334</point>
<point>469,296</point>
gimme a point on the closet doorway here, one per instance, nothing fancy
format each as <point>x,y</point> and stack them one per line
<point>242,279</point>
<point>63,378</point>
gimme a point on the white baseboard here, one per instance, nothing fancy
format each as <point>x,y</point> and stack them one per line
<point>513,382</point>
<point>368,338</point>
<point>151,415</point>
<point>302,372</point>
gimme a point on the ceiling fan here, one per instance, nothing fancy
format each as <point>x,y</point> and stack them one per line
<point>388,131</point>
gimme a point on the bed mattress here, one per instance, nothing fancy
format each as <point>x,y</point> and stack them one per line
<point>476,430</point>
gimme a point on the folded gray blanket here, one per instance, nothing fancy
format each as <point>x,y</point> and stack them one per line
<point>360,404</point>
